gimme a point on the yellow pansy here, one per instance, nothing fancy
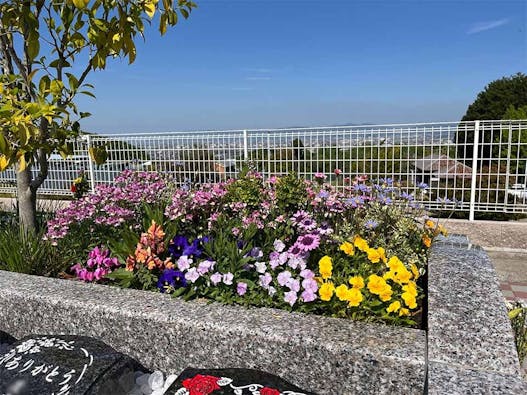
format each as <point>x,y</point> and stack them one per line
<point>403,275</point>
<point>326,291</point>
<point>429,223</point>
<point>360,243</point>
<point>411,288</point>
<point>382,254</point>
<point>386,293</point>
<point>342,292</point>
<point>403,311</point>
<point>354,297</point>
<point>325,267</point>
<point>415,270</point>
<point>409,300</point>
<point>395,263</point>
<point>389,275</point>
<point>376,284</point>
<point>373,255</point>
<point>394,307</point>
<point>348,248</point>
<point>357,282</point>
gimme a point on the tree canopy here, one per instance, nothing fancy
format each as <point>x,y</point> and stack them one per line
<point>504,98</point>
<point>47,51</point>
<point>493,101</point>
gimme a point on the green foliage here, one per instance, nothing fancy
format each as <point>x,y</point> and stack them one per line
<point>504,98</point>
<point>29,253</point>
<point>494,101</point>
<point>518,317</point>
<point>246,189</point>
<point>291,193</point>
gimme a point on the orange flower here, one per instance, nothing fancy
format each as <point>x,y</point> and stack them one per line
<point>141,255</point>
<point>130,263</point>
<point>427,241</point>
<point>156,231</point>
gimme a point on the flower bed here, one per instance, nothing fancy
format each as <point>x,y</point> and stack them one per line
<point>284,242</point>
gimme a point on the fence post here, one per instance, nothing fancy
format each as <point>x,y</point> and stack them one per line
<point>90,162</point>
<point>475,153</point>
<point>245,146</point>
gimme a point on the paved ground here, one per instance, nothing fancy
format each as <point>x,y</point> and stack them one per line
<point>512,273</point>
<point>491,234</point>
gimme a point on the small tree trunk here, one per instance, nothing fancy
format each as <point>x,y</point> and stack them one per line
<point>27,201</point>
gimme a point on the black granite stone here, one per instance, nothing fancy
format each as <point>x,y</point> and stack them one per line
<point>233,381</point>
<point>6,338</point>
<point>60,365</point>
<point>5,342</point>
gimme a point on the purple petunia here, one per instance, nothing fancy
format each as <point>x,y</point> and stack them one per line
<point>283,278</point>
<point>227,278</point>
<point>216,278</point>
<point>241,288</point>
<point>290,297</point>
<point>265,280</point>
<point>192,275</point>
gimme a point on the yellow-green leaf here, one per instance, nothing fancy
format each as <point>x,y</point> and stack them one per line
<point>22,162</point>
<point>98,155</point>
<point>150,9</point>
<point>4,162</point>
<point>80,3</point>
<point>3,144</point>
<point>514,313</point>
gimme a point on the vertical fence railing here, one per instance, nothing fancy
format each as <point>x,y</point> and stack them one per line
<point>481,164</point>
<point>472,206</point>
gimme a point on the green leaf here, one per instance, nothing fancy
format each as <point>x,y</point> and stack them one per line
<point>33,46</point>
<point>3,144</point>
<point>163,24</point>
<point>73,81</point>
<point>515,312</point>
<point>80,3</point>
<point>44,84</point>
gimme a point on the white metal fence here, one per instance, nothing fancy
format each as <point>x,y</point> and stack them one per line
<point>480,164</point>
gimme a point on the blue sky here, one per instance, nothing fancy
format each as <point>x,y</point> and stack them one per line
<point>263,63</point>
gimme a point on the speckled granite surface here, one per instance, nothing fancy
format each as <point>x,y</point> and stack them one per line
<point>324,355</point>
<point>449,380</point>
<point>468,327</point>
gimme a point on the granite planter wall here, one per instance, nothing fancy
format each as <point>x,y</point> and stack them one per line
<point>469,338</point>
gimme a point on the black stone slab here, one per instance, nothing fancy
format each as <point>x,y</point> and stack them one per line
<point>5,342</point>
<point>232,381</point>
<point>60,365</point>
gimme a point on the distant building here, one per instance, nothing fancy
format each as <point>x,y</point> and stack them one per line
<point>437,167</point>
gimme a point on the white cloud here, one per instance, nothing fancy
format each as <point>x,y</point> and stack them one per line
<point>484,26</point>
